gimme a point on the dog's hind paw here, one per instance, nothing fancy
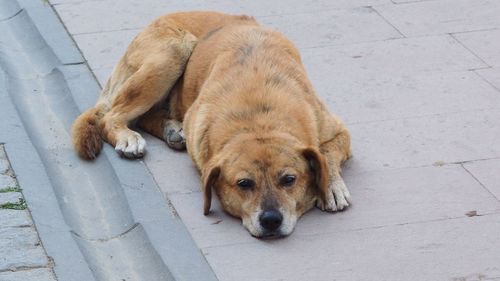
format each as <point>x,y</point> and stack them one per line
<point>337,199</point>
<point>131,146</point>
<point>174,135</point>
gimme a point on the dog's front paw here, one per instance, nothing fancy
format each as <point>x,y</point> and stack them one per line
<point>174,135</point>
<point>337,197</point>
<point>131,145</point>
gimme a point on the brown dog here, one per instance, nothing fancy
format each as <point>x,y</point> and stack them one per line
<point>253,124</point>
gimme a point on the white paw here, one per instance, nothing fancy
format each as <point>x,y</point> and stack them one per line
<point>131,145</point>
<point>174,135</point>
<point>338,197</point>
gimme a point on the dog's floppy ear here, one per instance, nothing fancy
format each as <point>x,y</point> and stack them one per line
<point>209,176</point>
<point>319,168</point>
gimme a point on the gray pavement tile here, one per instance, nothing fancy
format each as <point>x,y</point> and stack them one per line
<point>102,74</point>
<point>458,249</point>
<point>333,27</point>
<point>20,247</point>
<point>4,162</point>
<point>7,181</point>
<point>54,33</point>
<point>62,2</point>
<point>492,75</point>
<point>216,229</point>
<point>12,218</point>
<point>425,141</point>
<point>440,17</point>
<point>103,50</point>
<point>9,197</point>
<point>39,274</point>
<point>379,199</point>
<point>381,97</point>
<point>485,44</point>
<point>404,196</point>
<point>388,58</point>
<point>409,1</point>
<point>172,170</point>
<point>9,9</point>
<point>106,15</point>
<point>487,172</point>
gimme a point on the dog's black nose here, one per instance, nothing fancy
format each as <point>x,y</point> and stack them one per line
<point>271,220</point>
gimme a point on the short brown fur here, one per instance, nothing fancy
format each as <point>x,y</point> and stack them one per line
<point>247,107</point>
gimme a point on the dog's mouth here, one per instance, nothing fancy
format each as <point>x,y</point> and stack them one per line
<point>271,235</point>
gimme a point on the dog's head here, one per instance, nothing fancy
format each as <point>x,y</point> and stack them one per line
<point>267,182</point>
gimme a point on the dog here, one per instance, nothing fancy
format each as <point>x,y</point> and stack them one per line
<point>235,95</point>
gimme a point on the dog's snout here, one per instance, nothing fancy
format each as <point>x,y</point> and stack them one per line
<point>271,220</point>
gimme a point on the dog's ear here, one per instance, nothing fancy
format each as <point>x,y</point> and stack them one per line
<point>319,168</point>
<point>209,176</point>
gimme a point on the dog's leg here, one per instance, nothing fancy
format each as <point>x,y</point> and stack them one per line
<point>158,123</point>
<point>145,88</point>
<point>337,151</point>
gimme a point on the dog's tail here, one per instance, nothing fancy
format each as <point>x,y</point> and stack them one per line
<point>86,134</point>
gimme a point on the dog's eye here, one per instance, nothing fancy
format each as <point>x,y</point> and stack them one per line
<point>245,183</point>
<point>287,180</point>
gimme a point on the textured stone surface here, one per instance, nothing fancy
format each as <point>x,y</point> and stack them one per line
<point>443,16</point>
<point>491,75</point>
<point>42,274</point>
<point>484,44</point>
<point>424,141</point>
<point>10,218</point>
<point>417,108</point>
<point>350,26</point>
<point>12,197</point>
<point>130,14</point>
<point>7,181</point>
<point>20,247</point>
<point>104,49</point>
<point>487,172</point>
<point>4,163</point>
<point>382,198</point>
<point>456,249</point>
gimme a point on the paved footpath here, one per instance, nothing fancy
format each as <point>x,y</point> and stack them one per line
<point>22,257</point>
<point>417,82</point>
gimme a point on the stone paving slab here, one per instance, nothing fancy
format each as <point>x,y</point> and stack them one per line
<point>20,248</point>
<point>10,197</point>
<point>104,49</point>
<point>13,218</point>
<point>457,249</point>
<point>414,106</point>
<point>425,94</point>
<point>390,57</point>
<point>102,74</point>
<point>130,14</point>
<point>4,163</point>
<point>484,44</point>
<point>487,172</point>
<point>425,194</point>
<point>173,170</point>
<point>7,181</point>
<point>350,26</point>
<point>492,75</point>
<point>425,141</point>
<point>41,274</point>
<point>440,17</point>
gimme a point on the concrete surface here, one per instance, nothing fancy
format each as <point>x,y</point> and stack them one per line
<point>102,221</point>
<point>418,84</point>
<point>22,256</point>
